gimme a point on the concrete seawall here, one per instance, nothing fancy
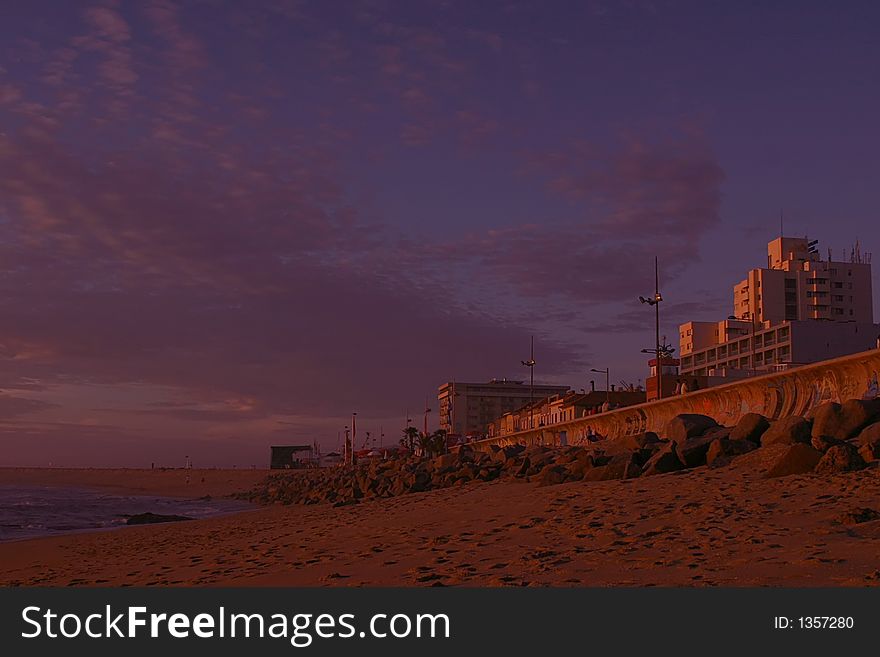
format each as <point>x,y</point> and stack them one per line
<point>792,392</point>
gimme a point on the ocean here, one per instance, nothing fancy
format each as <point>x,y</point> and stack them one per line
<point>33,511</point>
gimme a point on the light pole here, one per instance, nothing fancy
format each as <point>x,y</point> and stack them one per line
<point>427,410</point>
<point>655,301</point>
<point>607,374</point>
<point>530,363</point>
<point>751,317</point>
<point>346,450</point>
<point>353,437</point>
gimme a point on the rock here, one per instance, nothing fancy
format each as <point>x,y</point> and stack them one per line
<point>688,425</point>
<point>444,462</point>
<point>870,435</point>
<point>692,452</point>
<point>644,440</point>
<point>845,420</point>
<point>824,443</point>
<point>799,458</point>
<point>153,518</point>
<point>870,451</point>
<point>723,450</point>
<point>751,426</point>
<point>858,516</point>
<point>552,475</point>
<point>840,458</point>
<point>664,460</point>
<point>787,431</point>
<point>621,466</point>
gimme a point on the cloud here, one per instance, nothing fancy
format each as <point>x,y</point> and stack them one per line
<point>642,200</point>
<point>13,407</point>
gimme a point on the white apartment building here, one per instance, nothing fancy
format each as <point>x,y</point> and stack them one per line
<point>799,309</point>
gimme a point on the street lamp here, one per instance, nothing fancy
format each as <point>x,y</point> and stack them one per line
<point>751,317</point>
<point>427,410</point>
<point>530,363</point>
<point>655,301</point>
<point>607,374</point>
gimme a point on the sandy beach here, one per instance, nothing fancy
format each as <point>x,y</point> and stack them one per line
<point>702,527</point>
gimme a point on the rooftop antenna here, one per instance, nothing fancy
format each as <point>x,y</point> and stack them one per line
<point>781,231</point>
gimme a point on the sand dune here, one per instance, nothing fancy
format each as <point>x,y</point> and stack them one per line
<point>701,527</point>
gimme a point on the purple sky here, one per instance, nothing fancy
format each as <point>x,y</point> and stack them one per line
<point>227,225</point>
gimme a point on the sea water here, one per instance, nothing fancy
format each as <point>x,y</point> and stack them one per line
<point>33,511</point>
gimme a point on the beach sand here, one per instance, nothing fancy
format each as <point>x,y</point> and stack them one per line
<point>727,527</point>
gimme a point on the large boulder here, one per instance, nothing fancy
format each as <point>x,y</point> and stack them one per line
<point>799,458</point>
<point>621,466</point>
<point>787,431</point>
<point>688,425</point>
<point>840,458</point>
<point>751,426</point>
<point>577,469</point>
<point>692,451</point>
<point>664,460</point>
<point>644,440</point>
<point>845,420</point>
<point>824,443</point>
<point>723,450</point>
<point>870,452</point>
<point>870,434</point>
<point>552,475</point>
<point>444,462</point>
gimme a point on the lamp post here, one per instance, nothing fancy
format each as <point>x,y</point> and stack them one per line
<point>655,301</point>
<point>607,374</point>
<point>427,410</point>
<point>353,437</point>
<point>530,363</point>
<point>751,317</point>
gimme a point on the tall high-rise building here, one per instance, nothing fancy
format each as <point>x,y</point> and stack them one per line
<point>798,309</point>
<point>469,408</point>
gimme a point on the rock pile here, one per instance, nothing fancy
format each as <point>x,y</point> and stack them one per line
<point>836,438</point>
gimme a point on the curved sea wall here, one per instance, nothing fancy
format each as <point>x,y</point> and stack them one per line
<point>791,392</point>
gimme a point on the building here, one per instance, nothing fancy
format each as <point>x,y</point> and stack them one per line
<point>563,407</point>
<point>467,409</point>
<point>669,377</point>
<point>291,456</point>
<point>799,309</point>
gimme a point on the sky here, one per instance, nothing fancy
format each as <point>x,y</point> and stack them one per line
<point>228,225</point>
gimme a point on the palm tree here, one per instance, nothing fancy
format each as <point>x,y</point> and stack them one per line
<point>410,438</point>
<point>432,444</point>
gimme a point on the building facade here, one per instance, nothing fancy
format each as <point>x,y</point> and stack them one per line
<point>799,309</point>
<point>467,409</point>
<point>563,407</point>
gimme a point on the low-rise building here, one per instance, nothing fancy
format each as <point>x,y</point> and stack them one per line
<point>564,408</point>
